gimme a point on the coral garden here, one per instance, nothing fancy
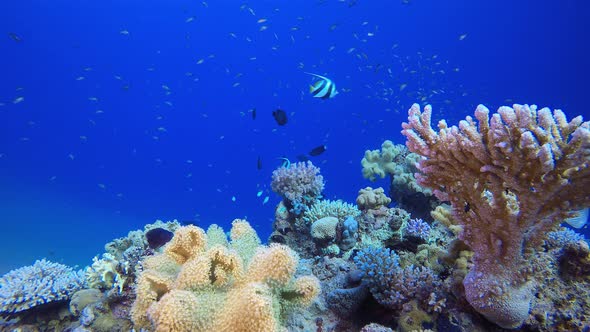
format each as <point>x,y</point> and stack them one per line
<point>468,238</point>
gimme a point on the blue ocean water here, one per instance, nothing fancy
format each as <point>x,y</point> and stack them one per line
<point>117,113</point>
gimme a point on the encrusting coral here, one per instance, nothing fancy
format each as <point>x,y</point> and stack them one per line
<point>510,180</point>
<point>240,286</point>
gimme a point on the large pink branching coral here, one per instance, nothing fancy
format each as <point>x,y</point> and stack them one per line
<point>510,179</point>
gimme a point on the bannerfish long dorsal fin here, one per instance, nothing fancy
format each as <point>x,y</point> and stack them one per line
<point>316,75</point>
<point>580,220</point>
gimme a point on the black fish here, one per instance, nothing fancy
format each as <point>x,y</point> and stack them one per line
<point>317,150</point>
<point>259,163</point>
<point>158,237</point>
<point>302,157</point>
<point>280,117</point>
<point>14,37</point>
<point>253,114</point>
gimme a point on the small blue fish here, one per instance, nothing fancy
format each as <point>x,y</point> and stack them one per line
<point>265,200</point>
<point>324,88</point>
<point>286,162</point>
<point>258,194</point>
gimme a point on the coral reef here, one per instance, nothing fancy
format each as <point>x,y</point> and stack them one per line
<point>239,287</point>
<point>510,180</point>
<point>42,283</point>
<point>405,268</point>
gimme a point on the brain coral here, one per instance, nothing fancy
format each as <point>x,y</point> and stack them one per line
<point>324,229</point>
<point>41,283</point>
<point>234,286</point>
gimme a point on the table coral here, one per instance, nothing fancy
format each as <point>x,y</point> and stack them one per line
<point>241,286</point>
<point>510,180</point>
<point>41,283</point>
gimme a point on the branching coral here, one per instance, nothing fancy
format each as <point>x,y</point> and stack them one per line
<point>230,286</point>
<point>510,180</point>
<point>41,283</point>
<point>328,208</point>
<point>391,285</point>
<point>300,183</point>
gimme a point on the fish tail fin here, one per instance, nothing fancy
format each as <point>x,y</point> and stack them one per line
<point>311,88</point>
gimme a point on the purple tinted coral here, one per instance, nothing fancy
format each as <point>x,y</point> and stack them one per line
<point>299,183</point>
<point>562,237</point>
<point>38,284</point>
<point>391,285</point>
<point>418,228</point>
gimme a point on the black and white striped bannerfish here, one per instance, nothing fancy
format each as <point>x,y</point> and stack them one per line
<point>324,88</point>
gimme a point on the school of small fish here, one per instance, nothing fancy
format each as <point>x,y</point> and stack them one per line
<point>394,78</point>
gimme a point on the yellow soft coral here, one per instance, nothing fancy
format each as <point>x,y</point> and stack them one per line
<point>249,308</point>
<point>150,287</point>
<point>188,242</point>
<point>238,287</point>
<point>380,163</point>
<point>274,264</point>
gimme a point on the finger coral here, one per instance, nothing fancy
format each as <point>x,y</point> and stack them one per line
<point>510,179</point>
<point>235,285</point>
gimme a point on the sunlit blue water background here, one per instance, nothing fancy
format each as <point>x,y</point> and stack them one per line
<point>139,110</point>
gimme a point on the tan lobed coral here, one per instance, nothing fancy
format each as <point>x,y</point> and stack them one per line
<point>510,180</point>
<point>370,198</point>
<point>396,161</point>
<point>381,163</point>
<point>241,286</point>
